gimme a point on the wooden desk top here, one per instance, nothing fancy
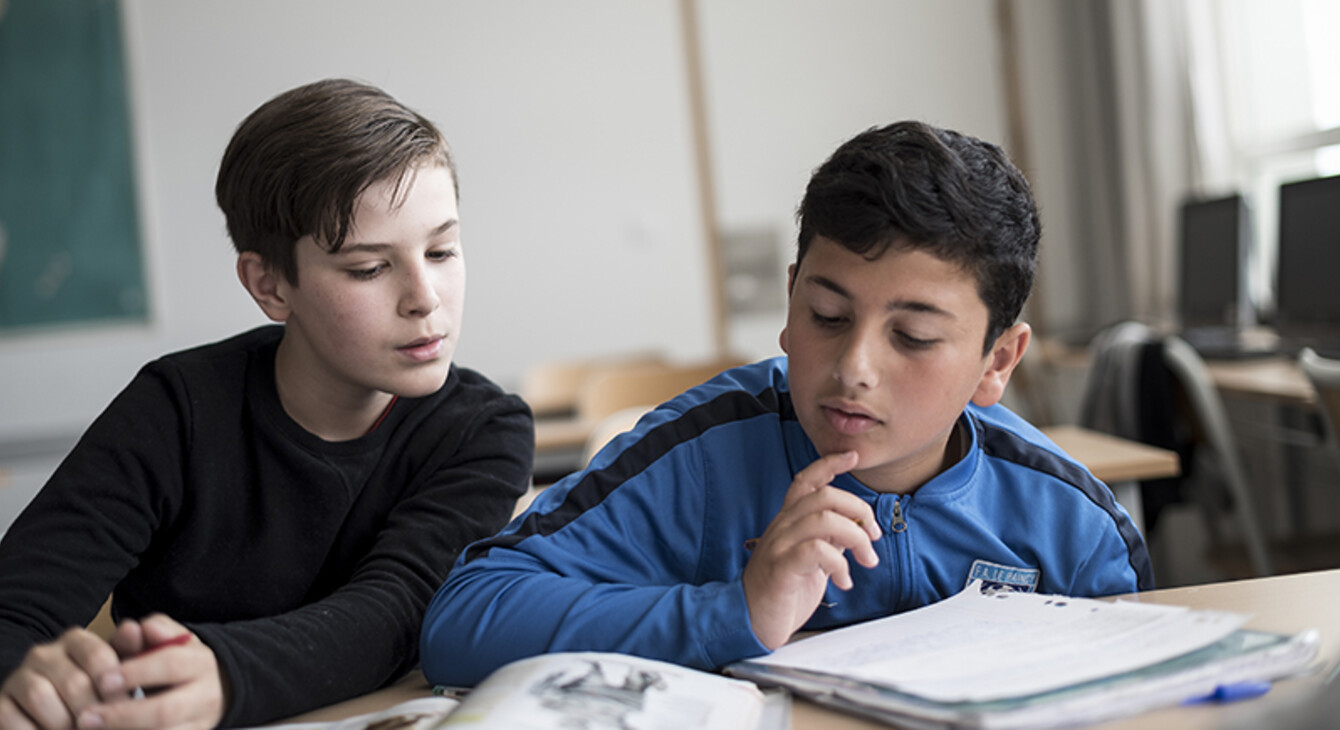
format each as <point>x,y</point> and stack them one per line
<point>1287,603</point>
<point>1114,459</point>
<point>1275,378</point>
<point>1270,378</point>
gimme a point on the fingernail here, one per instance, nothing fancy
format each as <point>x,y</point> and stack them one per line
<point>90,719</point>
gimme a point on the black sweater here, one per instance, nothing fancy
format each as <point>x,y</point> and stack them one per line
<point>304,564</point>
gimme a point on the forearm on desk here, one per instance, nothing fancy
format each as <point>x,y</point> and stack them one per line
<point>363,635</point>
<point>483,619</point>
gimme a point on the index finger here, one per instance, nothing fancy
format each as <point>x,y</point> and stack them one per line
<point>97,659</point>
<point>819,474</point>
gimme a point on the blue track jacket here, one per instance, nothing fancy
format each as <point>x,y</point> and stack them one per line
<point>643,551</point>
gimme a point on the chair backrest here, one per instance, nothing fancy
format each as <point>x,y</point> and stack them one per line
<point>1207,406</point>
<point>615,389</point>
<point>551,387</point>
<point>1111,395</point>
<point>1123,396</point>
<point>1324,373</point>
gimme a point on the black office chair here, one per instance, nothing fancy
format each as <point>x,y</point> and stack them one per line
<point>1157,390</point>
<point>1324,374</point>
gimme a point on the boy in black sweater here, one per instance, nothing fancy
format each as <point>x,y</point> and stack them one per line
<point>272,512</point>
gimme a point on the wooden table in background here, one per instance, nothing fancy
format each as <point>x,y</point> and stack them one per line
<point>1278,379</point>
<point>1114,459</point>
<point>561,434</point>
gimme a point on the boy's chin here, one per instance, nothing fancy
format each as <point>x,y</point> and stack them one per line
<point>421,386</point>
<point>827,441</point>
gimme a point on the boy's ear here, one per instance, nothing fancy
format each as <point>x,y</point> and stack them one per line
<point>264,284</point>
<point>1004,356</point>
<point>790,282</point>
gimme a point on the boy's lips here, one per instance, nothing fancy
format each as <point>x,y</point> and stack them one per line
<point>849,419</point>
<point>423,349</point>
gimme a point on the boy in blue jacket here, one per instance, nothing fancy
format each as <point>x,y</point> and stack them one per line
<point>871,471</point>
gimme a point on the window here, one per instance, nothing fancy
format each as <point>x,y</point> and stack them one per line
<point>1276,73</point>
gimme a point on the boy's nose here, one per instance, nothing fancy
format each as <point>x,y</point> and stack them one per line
<point>855,366</point>
<point>420,295</point>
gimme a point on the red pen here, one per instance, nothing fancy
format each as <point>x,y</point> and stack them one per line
<point>178,640</point>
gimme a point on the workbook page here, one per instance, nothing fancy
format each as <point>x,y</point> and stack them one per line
<point>987,645</point>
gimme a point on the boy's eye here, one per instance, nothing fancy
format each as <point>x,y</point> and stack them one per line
<point>825,320</point>
<point>915,343</point>
<point>367,272</point>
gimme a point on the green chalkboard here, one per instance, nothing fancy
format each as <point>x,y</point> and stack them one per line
<point>69,232</point>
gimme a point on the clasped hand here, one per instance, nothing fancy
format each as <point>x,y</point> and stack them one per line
<point>81,681</point>
<point>803,548</point>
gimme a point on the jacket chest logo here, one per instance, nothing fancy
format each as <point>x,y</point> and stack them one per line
<point>997,576</point>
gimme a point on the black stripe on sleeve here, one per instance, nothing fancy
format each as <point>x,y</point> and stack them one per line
<point>595,485</point>
<point>1002,444</point>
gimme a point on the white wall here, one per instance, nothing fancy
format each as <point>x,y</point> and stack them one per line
<point>787,82</point>
<point>569,126</point>
<point>570,123</point>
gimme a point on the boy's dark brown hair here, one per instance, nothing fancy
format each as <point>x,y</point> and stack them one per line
<point>910,185</point>
<point>297,165</point>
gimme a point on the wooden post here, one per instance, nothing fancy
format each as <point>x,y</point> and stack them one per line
<point>703,164</point>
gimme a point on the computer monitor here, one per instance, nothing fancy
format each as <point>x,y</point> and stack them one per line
<point>1213,242</point>
<point>1307,275</point>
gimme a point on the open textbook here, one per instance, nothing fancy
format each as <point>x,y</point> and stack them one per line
<point>996,659</point>
<point>590,691</point>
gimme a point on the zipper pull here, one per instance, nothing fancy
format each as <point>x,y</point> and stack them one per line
<point>898,524</point>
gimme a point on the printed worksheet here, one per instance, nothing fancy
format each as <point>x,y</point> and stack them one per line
<point>983,645</point>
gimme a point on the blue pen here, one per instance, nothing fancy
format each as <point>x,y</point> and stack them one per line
<point>1231,693</point>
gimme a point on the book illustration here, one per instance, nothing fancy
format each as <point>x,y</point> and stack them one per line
<point>606,691</point>
<point>597,693</point>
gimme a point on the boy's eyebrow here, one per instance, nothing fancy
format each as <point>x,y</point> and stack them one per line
<point>364,247</point>
<point>895,305</point>
<point>447,225</point>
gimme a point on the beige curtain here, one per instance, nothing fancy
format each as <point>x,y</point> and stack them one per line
<point>1133,156</point>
